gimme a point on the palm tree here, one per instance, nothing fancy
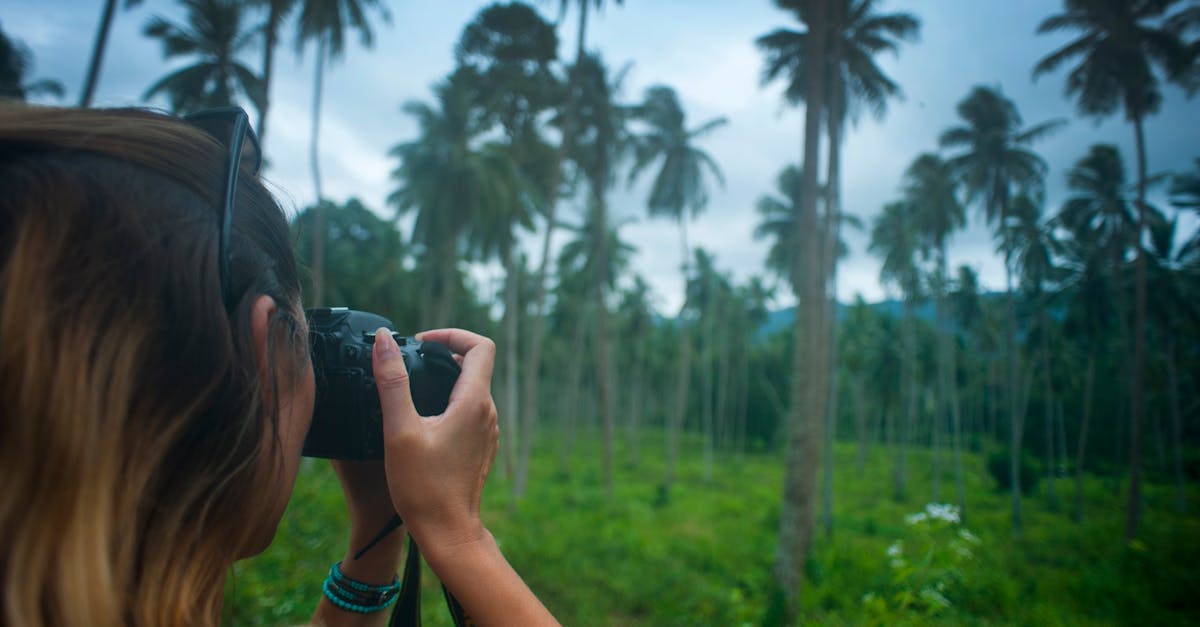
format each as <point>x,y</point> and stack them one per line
<point>931,188</point>
<point>1101,222</point>
<point>856,35</point>
<point>994,164</point>
<point>452,184</point>
<point>509,49</point>
<point>16,61</point>
<point>777,215</point>
<point>1035,249</point>
<point>601,145</point>
<point>327,22</point>
<point>97,58</point>
<point>636,323</point>
<point>678,192</point>
<point>277,12</point>
<point>1122,48</point>
<point>597,257</point>
<point>895,241</point>
<point>214,34</point>
<point>569,103</point>
<point>804,441</point>
<point>1174,315</point>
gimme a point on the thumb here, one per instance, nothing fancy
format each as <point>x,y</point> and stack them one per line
<point>391,379</point>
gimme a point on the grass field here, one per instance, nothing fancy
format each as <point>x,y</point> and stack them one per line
<point>705,557</point>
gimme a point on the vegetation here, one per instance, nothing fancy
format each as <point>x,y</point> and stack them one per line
<point>704,558</point>
<point>676,476</point>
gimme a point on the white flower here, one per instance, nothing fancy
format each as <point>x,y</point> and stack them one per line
<point>934,598</point>
<point>968,536</point>
<point>894,549</point>
<point>948,513</point>
<point>917,518</point>
<point>962,551</point>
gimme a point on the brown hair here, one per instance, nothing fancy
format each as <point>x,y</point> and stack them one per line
<point>132,415</point>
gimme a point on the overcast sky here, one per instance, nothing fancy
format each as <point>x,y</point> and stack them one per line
<point>702,48</point>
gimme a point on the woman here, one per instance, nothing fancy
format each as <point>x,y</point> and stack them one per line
<point>155,390</point>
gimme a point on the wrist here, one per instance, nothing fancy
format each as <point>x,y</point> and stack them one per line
<point>443,547</point>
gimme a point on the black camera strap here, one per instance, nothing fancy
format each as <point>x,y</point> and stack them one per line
<point>407,611</point>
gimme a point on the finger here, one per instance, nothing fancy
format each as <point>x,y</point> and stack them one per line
<point>478,359</point>
<point>459,341</point>
<point>391,379</point>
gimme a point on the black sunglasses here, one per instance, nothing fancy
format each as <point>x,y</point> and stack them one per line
<point>231,127</point>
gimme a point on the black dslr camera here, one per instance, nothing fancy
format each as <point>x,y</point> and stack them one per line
<point>347,422</point>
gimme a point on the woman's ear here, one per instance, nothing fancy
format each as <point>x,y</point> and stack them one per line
<point>260,322</point>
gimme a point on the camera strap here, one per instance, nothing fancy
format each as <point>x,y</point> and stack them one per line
<point>407,611</point>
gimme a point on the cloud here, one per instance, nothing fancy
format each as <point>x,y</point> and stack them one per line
<point>705,50</point>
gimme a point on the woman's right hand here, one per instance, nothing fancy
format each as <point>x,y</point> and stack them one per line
<point>437,465</point>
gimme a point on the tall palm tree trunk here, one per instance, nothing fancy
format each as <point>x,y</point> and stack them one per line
<point>831,237</point>
<point>951,378</point>
<point>637,399</point>
<point>511,431</point>
<point>909,397</point>
<point>1014,421</point>
<point>93,73</point>
<point>270,35</point>
<point>537,330</point>
<point>318,260</point>
<point>603,344</point>
<point>806,419</point>
<point>684,373</point>
<point>860,422</point>
<point>1134,508</point>
<point>1088,380</point>
<point>570,410</point>
<point>1048,409</point>
<point>1176,423</point>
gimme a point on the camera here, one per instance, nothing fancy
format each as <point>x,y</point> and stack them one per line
<point>347,421</point>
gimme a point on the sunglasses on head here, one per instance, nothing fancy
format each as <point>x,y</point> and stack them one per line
<point>231,127</point>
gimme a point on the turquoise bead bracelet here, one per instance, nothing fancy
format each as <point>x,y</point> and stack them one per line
<point>356,596</point>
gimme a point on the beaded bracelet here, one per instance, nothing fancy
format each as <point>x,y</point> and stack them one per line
<point>356,596</point>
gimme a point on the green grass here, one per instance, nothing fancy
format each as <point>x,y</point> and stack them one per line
<point>705,556</point>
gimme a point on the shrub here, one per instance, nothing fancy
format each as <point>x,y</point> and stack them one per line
<point>998,466</point>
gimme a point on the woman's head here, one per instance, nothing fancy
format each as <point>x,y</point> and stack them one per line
<point>141,449</point>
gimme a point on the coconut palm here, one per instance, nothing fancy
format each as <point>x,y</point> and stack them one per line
<point>1174,315</point>
<point>1123,50</point>
<point>1035,249</point>
<point>856,35</point>
<point>16,61</point>
<point>995,163</point>
<point>567,123</point>
<point>452,183</point>
<point>508,49</point>
<point>328,22</point>
<point>101,42</point>
<point>601,145</point>
<point>678,192</point>
<point>636,324</point>
<point>895,241</point>
<point>215,34</point>
<point>277,12</point>
<point>930,186</point>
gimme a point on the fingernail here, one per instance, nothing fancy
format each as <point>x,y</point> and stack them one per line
<point>385,346</point>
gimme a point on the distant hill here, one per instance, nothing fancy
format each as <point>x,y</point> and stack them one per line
<point>781,319</point>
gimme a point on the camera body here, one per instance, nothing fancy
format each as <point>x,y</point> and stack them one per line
<point>347,421</point>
